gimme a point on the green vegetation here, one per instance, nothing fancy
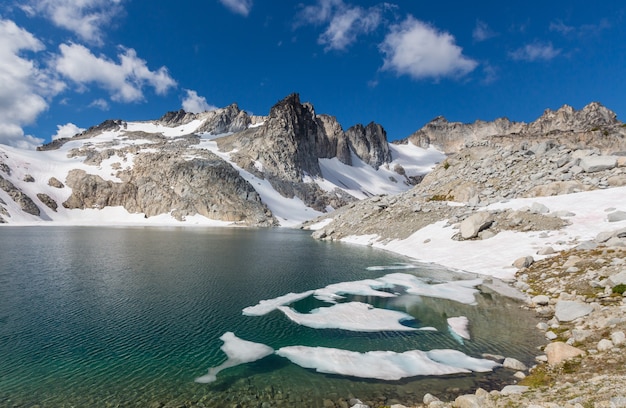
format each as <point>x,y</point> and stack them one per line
<point>446,165</point>
<point>441,197</point>
<point>619,289</point>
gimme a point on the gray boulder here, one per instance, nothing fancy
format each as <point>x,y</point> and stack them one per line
<point>592,164</point>
<point>472,225</point>
<point>616,216</point>
<point>523,262</point>
<point>568,310</point>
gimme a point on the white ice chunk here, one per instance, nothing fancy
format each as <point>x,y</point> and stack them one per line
<point>390,267</point>
<point>238,352</point>
<point>459,326</point>
<point>383,365</point>
<point>366,287</point>
<point>266,306</point>
<point>461,291</point>
<point>455,358</point>
<point>354,316</point>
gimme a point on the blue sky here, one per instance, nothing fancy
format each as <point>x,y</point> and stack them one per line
<point>66,65</point>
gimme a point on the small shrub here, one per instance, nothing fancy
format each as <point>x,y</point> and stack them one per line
<point>441,197</point>
<point>446,165</point>
<point>619,289</point>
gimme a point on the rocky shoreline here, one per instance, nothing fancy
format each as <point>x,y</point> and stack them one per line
<point>575,286</point>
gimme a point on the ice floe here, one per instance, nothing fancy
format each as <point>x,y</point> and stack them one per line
<point>384,365</point>
<point>266,306</point>
<point>238,352</point>
<point>458,359</point>
<point>353,316</point>
<point>366,287</point>
<point>459,327</point>
<point>390,267</point>
<point>462,291</point>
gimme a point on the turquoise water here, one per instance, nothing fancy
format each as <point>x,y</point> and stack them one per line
<point>129,317</point>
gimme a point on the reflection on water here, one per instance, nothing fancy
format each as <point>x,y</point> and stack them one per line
<point>130,316</point>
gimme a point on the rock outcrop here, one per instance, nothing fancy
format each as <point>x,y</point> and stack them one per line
<point>161,183</point>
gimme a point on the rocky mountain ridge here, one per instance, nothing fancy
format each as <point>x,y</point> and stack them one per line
<point>451,137</point>
<point>223,165</point>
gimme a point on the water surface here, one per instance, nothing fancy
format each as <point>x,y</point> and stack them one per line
<point>130,316</point>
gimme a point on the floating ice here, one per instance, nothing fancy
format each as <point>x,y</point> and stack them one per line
<point>384,365</point>
<point>455,358</point>
<point>390,267</point>
<point>366,287</point>
<point>353,316</point>
<point>239,352</point>
<point>462,291</point>
<point>266,306</point>
<point>459,326</point>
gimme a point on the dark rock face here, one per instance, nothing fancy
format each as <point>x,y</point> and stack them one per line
<point>370,144</point>
<point>288,146</point>
<point>48,201</point>
<point>25,202</point>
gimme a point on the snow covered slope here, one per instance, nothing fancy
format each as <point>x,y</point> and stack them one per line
<point>155,173</point>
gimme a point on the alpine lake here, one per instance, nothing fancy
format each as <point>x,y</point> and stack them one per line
<point>131,316</point>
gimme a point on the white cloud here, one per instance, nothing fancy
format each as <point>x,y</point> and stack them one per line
<point>482,32</point>
<point>345,22</point>
<point>419,50</point>
<point>67,130</point>
<point>583,31</point>
<point>100,104</point>
<point>535,52</point>
<point>194,103</point>
<point>124,80</point>
<point>242,7</point>
<point>561,27</point>
<point>86,18</point>
<point>24,86</point>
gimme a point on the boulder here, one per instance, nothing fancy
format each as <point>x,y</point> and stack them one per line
<point>514,390</point>
<point>618,338</point>
<point>617,279</point>
<point>514,364</point>
<point>541,300</point>
<point>604,345</point>
<point>468,401</point>
<point>568,310</point>
<point>558,352</point>
<point>523,262</point>
<point>616,216</point>
<point>472,225</point>
<point>539,208</point>
<point>592,164</point>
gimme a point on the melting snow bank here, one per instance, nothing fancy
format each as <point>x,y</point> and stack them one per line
<point>381,365</point>
<point>239,352</point>
<point>494,256</point>
<point>385,365</point>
